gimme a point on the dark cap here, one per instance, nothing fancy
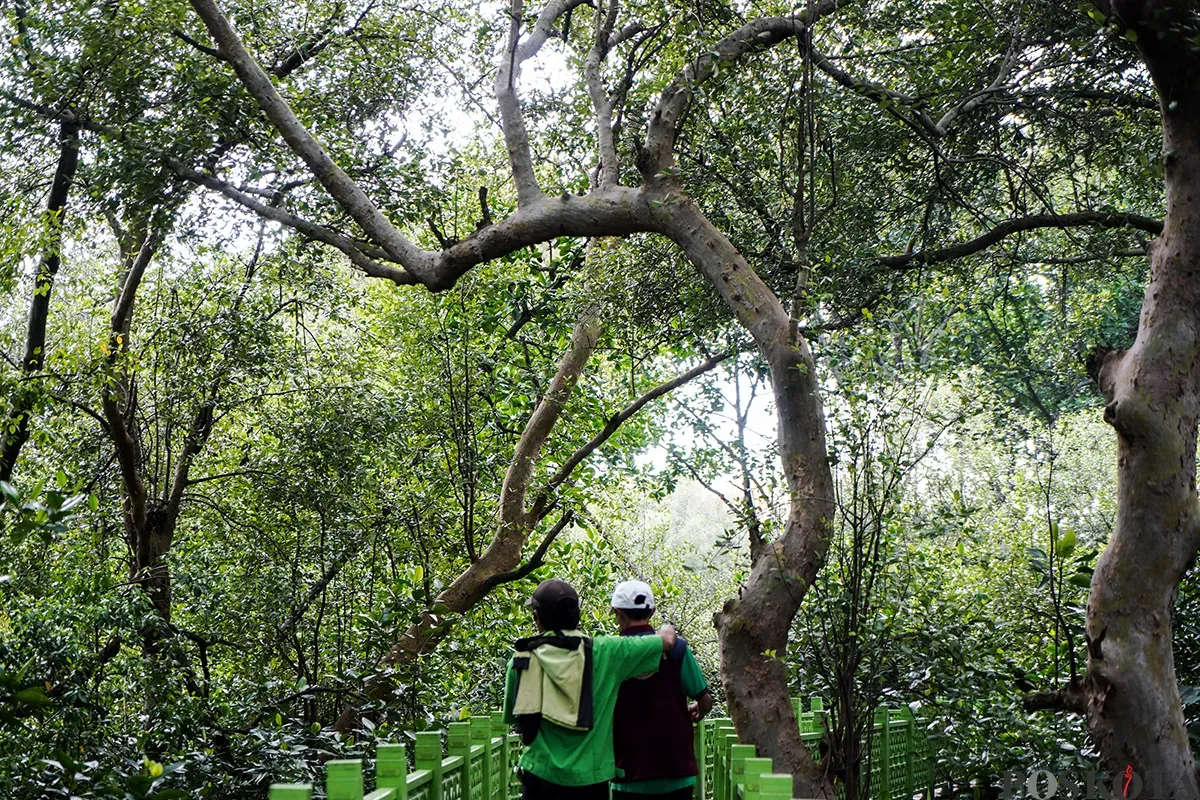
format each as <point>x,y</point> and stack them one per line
<point>553,594</point>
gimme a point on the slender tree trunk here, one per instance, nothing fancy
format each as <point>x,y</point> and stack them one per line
<point>39,306</point>
<point>1131,695</point>
<point>753,627</point>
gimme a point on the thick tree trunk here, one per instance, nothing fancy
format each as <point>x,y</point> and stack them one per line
<point>39,305</point>
<point>150,543</point>
<point>753,628</point>
<point>1132,699</point>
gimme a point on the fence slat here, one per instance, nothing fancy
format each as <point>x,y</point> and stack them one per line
<point>391,769</point>
<point>428,755</point>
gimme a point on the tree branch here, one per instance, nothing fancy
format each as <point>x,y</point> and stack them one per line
<point>877,91</point>
<point>537,430</point>
<point>752,37</point>
<point>1099,219</point>
<point>536,560</point>
<point>345,192</point>
<point>203,48</point>
<point>286,628</point>
<point>351,249</point>
<point>512,121</point>
<point>997,85</point>
<point>39,305</point>
<point>1071,697</point>
<point>602,104</point>
<point>616,421</point>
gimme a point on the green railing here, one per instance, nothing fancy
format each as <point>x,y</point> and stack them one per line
<point>481,759</point>
<point>479,764</point>
<point>901,761</point>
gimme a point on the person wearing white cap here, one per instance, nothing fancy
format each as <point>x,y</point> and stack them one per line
<point>652,725</point>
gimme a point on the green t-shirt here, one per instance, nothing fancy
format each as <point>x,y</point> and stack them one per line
<point>580,758</point>
<point>694,685</point>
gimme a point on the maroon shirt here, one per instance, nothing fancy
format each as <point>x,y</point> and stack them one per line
<point>652,729</point>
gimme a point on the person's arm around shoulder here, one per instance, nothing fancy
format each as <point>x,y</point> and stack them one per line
<point>640,655</point>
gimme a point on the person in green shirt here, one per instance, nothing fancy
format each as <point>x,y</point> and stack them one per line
<point>560,690</point>
<point>653,737</point>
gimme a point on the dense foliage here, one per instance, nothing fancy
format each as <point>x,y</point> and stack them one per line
<point>249,469</point>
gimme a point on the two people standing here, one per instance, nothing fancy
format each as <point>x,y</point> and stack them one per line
<point>609,708</point>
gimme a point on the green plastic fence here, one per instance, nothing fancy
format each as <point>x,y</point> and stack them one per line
<point>481,759</point>
<point>901,760</point>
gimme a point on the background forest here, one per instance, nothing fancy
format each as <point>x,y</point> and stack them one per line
<point>245,458</point>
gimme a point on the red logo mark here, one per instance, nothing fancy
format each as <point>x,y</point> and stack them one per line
<point>1128,778</point>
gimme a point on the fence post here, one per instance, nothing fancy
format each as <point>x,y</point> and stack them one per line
<point>700,733</point>
<point>720,728</point>
<point>391,769</point>
<point>910,754</point>
<point>885,772</point>
<point>500,730</point>
<point>458,743</point>
<point>738,753</point>
<point>755,769</point>
<point>817,708</point>
<point>726,744</point>
<point>290,791</point>
<point>481,734</point>
<point>343,779</point>
<point>428,755</point>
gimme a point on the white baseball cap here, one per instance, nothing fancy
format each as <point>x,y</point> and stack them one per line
<point>631,595</point>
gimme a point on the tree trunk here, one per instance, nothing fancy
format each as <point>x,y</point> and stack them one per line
<point>1132,699</point>
<point>39,306</point>
<point>150,543</point>
<point>753,628</point>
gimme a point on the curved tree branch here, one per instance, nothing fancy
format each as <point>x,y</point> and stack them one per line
<point>1079,219</point>
<point>752,37</point>
<point>348,194</point>
<point>616,421</point>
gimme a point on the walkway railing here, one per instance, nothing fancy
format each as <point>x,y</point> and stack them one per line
<point>481,759</point>
<point>901,759</point>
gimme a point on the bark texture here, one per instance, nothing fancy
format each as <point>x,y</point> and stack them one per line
<point>1132,699</point>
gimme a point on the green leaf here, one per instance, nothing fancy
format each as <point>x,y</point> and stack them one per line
<point>33,696</point>
<point>1065,545</point>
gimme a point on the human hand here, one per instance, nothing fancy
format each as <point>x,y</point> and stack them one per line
<point>699,709</point>
<point>667,632</point>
